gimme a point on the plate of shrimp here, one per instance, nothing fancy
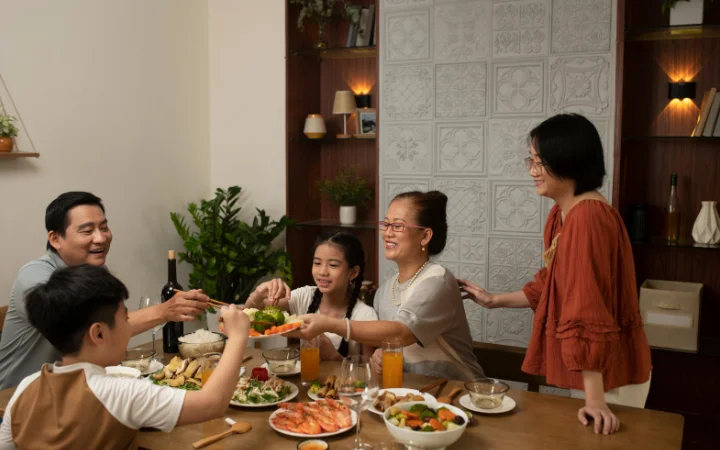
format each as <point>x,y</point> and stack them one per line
<point>322,418</point>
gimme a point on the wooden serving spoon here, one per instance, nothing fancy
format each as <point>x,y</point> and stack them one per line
<point>236,428</point>
<point>450,397</point>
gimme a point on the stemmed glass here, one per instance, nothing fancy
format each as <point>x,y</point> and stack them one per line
<point>358,389</point>
<point>147,302</point>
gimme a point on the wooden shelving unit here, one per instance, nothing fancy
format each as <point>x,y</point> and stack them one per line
<point>652,141</point>
<point>15,155</point>
<point>313,77</point>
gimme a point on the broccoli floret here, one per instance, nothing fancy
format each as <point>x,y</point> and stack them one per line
<point>315,386</point>
<point>418,407</point>
<point>278,317</point>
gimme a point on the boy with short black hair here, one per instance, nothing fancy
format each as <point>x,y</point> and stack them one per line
<point>73,403</point>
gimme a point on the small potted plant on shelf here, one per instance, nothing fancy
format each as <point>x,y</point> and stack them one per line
<point>320,11</point>
<point>684,12</point>
<point>347,190</point>
<point>7,132</point>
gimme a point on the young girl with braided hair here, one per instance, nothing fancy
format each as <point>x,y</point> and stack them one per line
<point>338,271</point>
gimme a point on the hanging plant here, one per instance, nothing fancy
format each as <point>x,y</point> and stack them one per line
<point>321,11</point>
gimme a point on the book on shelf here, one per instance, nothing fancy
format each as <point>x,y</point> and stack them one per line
<point>712,120</point>
<point>365,26</point>
<point>352,35</point>
<point>371,34</point>
<point>707,101</point>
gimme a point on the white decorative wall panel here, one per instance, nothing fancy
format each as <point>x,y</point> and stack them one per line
<point>462,83</point>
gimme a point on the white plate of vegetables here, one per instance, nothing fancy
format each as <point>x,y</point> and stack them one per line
<point>263,391</point>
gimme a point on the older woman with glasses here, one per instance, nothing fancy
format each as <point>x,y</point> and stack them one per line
<point>421,305</point>
<point>587,332</point>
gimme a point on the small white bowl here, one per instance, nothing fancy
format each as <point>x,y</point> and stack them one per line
<point>122,372</point>
<point>424,439</point>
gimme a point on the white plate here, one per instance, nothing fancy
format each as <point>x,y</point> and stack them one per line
<point>293,393</point>
<point>122,371</point>
<point>508,404</point>
<point>400,392</point>
<point>321,435</point>
<point>155,366</point>
<point>284,374</point>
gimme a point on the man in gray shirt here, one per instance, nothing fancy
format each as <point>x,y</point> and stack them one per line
<point>78,233</point>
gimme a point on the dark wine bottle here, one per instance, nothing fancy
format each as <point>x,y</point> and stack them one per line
<point>172,330</point>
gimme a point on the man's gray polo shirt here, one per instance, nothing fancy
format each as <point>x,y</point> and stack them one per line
<point>23,350</point>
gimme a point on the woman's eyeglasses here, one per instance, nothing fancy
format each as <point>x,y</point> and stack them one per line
<point>532,164</point>
<point>397,227</point>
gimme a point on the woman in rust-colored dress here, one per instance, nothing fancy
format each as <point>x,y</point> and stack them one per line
<point>587,332</point>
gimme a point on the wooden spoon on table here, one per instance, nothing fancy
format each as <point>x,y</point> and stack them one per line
<point>236,428</point>
<point>450,397</point>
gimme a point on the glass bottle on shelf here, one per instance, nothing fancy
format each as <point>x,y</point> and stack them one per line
<point>672,213</point>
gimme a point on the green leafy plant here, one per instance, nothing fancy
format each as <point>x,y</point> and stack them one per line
<point>320,11</point>
<point>7,129</point>
<point>346,189</point>
<point>667,4</point>
<point>229,256</point>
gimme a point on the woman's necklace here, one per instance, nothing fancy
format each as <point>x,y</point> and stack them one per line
<point>402,296</point>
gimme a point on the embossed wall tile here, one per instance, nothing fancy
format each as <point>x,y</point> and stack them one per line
<point>467,209</point>
<point>476,320</point>
<point>473,250</point>
<point>510,279</point>
<point>521,28</point>
<point>407,93</point>
<point>451,253</point>
<point>395,186</point>
<point>580,84</point>
<point>460,148</point>
<point>472,272</point>
<point>581,26</point>
<point>515,208</point>
<point>509,326</point>
<point>461,31</point>
<point>460,90</point>
<point>399,3</point>
<point>519,88</point>
<point>408,36</point>
<point>406,148</point>
<point>513,252</point>
<point>508,147</point>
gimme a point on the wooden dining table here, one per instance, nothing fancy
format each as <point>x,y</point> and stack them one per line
<point>539,421</point>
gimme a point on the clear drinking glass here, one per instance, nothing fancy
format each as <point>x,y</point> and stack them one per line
<point>358,389</point>
<point>147,302</point>
<point>309,360</point>
<point>392,363</point>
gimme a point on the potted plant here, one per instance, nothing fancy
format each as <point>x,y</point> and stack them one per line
<point>229,256</point>
<point>320,11</point>
<point>347,190</point>
<point>684,12</point>
<point>7,132</point>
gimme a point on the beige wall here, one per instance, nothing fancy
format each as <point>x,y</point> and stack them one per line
<point>247,101</point>
<point>115,97</point>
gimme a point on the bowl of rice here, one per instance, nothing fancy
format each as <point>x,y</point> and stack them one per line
<point>196,344</point>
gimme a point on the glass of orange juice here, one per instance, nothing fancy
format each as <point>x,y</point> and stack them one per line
<point>208,365</point>
<point>392,363</point>
<point>309,360</point>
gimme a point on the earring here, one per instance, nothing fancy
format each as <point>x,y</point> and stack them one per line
<point>423,249</point>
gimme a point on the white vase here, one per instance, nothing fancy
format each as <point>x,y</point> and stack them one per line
<point>707,225</point>
<point>686,13</point>
<point>348,215</point>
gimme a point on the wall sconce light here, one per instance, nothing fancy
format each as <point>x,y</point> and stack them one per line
<point>362,100</point>
<point>681,90</point>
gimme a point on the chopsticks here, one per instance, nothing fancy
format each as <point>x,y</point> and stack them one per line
<point>211,301</point>
<point>432,386</point>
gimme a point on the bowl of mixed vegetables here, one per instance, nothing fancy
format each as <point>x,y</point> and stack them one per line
<point>428,424</point>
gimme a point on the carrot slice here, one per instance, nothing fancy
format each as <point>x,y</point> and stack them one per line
<point>437,426</point>
<point>446,415</point>
<point>411,415</point>
<point>414,423</point>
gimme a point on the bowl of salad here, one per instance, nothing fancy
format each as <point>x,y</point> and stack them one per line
<point>427,424</point>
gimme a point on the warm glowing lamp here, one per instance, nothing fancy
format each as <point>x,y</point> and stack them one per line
<point>344,104</point>
<point>681,90</point>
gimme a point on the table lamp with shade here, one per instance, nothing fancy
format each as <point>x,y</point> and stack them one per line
<point>344,104</point>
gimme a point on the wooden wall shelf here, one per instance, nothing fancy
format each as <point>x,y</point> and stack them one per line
<point>14,155</point>
<point>333,139</point>
<point>672,138</point>
<point>673,33</point>
<point>339,53</point>
<point>681,244</point>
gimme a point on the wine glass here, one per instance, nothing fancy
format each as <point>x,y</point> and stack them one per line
<point>147,302</point>
<point>358,389</point>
